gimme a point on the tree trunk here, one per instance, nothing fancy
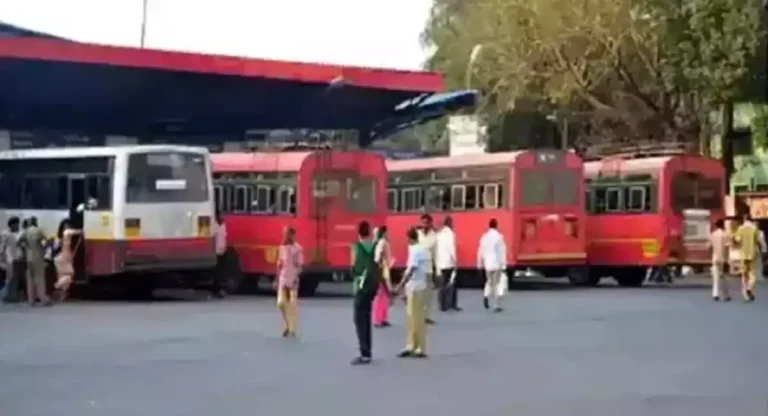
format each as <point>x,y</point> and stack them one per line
<point>726,141</point>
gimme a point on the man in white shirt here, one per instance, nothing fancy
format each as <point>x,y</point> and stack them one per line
<point>428,240</point>
<point>220,240</point>
<point>446,266</point>
<point>718,241</point>
<point>492,259</point>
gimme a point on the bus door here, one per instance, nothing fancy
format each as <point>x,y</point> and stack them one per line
<point>77,201</point>
<point>695,235</point>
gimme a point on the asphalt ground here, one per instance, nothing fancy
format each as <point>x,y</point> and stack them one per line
<point>553,351</point>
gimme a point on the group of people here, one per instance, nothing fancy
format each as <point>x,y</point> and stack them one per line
<point>28,257</point>
<point>737,251</point>
<point>431,267</point>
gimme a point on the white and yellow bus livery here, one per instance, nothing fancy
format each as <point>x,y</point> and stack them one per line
<point>149,209</point>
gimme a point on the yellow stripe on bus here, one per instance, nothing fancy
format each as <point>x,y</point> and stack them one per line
<point>552,256</point>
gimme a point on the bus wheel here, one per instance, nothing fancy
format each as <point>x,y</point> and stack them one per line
<point>308,287</point>
<point>231,267</point>
<point>142,288</point>
<point>580,276</point>
<point>630,277</point>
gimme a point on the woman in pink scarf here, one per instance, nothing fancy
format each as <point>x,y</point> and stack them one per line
<point>383,257</point>
<point>289,264</point>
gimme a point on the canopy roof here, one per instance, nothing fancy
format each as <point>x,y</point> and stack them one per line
<point>55,84</point>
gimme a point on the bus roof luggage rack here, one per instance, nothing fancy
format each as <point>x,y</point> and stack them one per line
<point>639,150</point>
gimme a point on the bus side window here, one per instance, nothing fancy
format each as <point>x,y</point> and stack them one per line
<point>599,200</point>
<point>42,192</point>
<point>613,200</point>
<point>392,201</point>
<point>636,198</point>
<point>262,203</point>
<point>284,199</point>
<point>218,198</point>
<point>472,197</point>
<point>458,197</point>
<point>229,192</point>
<point>100,188</point>
<point>242,200</point>
<point>434,199</point>
<point>412,199</point>
<point>10,191</point>
<point>490,196</point>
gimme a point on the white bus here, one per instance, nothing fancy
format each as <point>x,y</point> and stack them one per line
<point>150,209</point>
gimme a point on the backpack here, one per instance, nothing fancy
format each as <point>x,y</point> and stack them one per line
<point>365,272</point>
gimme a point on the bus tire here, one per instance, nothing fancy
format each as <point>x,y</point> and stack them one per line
<point>630,277</point>
<point>580,276</point>
<point>233,281</point>
<point>142,288</point>
<point>308,287</point>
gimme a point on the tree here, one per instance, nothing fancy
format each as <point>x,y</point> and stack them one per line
<point>639,69</point>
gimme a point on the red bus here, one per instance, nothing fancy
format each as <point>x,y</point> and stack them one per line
<point>322,194</point>
<point>651,211</point>
<point>536,197</point>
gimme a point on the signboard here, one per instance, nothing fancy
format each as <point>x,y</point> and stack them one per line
<point>466,135</point>
<point>758,207</point>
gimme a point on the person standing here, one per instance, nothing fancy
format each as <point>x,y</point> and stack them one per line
<point>428,239</point>
<point>33,239</point>
<point>415,282</point>
<point>383,258</point>
<point>492,259</point>
<point>13,258</point>
<point>718,241</point>
<point>446,266</point>
<point>220,274</point>
<point>64,260</point>
<point>289,264</point>
<point>365,281</point>
<point>747,239</point>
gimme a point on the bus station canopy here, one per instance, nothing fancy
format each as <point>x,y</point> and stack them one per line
<point>57,84</point>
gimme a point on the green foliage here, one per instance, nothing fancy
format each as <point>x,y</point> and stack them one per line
<point>633,69</point>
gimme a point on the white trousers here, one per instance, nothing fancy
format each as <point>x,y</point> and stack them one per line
<point>719,281</point>
<point>493,289</point>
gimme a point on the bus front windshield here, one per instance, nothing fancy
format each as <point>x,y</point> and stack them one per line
<point>167,177</point>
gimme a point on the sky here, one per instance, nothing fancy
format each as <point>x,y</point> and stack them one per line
<point>372,33</point>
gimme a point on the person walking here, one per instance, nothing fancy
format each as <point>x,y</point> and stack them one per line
<point>747,240</point>
<point>718,241</point>
<point>220,274</point>
<point>492,260</point>
<point>383,258</point>
<point>289,264</point>
<point>446,266</point>
<point>428,239</point>
<point>13,259</point>
<point>365,281</point>
<point>415,283</point>
<point>34,240</point>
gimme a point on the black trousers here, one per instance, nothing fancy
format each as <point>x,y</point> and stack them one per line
<point>219,274</point>
<point>362,316</point>
<point>447,296</point>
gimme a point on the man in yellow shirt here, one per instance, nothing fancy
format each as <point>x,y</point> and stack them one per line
<point>747,240</point>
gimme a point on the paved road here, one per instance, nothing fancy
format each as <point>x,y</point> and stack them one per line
<point>610,351</point>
